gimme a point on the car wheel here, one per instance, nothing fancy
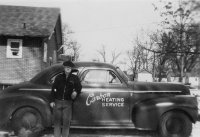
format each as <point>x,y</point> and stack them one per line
<point>26,121</point>
<point>175,124</point>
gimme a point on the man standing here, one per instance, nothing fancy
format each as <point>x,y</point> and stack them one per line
<point>65,90</point>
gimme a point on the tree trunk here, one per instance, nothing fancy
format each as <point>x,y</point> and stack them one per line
<point>168,77</point>
<point>187,78</point>
<point>159,76</point>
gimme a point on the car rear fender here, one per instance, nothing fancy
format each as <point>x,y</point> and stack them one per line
<point>38,103</point>
<point>146,114</point>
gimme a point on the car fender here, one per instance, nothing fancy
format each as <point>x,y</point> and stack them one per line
<point>13,102</point>
<point>146,113</point>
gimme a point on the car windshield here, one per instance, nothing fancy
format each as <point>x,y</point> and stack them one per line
<point>122,74</point>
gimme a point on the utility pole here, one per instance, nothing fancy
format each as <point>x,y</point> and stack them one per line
<point>182,68</point>
<point>181,43</point>
<point>154,77</point>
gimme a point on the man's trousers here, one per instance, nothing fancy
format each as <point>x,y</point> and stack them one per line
<point>62,117</point>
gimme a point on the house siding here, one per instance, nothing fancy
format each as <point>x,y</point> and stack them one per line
<point>15,70</point>
<point>58,32</point>
<point>52,49</point>
<point>34,26</point>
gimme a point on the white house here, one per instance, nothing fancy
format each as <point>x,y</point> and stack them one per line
<point>145,76</point>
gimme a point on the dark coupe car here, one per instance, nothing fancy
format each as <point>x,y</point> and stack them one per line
<point>108,100</point>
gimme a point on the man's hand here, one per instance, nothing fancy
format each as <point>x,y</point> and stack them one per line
<point>52,104</point>
<point>73,95</point>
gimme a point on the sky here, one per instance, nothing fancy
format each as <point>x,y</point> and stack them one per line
<point>112,23</point>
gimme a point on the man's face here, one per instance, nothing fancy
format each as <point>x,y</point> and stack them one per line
<point>67,70</point>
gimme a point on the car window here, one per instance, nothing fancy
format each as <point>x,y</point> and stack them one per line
<point>113,78</point>
<point>100,76</point>
<point>124,76</point>
<point>52,79</point>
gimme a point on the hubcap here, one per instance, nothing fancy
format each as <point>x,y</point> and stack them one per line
<point>29,120</point>
<point>174,125</point>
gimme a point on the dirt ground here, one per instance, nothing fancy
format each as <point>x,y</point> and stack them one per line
<point>115,133</point>
<point>104,133</point>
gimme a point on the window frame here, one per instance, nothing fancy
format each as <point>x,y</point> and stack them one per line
<point>85,72</point>
<point>51,78</point>
<point>9,53</point>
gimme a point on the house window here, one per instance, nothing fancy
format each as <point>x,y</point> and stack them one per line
<point>14,48</point>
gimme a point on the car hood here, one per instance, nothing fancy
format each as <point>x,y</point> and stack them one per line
<point>158,87</point>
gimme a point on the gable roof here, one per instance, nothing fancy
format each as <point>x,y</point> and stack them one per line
<point>28,21</point>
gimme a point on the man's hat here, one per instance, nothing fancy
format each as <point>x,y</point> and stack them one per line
<point>68,64</point>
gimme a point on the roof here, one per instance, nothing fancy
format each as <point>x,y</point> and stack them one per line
<point>27,21</point>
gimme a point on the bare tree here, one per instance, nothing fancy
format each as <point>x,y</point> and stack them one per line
<point>146,54</point>
<point>102,52</point>
<point>134,60</point>
<point>141,57</point>
<point>180,24</point>
<point>76,48</point>
<point>114,55</point>
<point>163,46</point>
<point>70,46</point>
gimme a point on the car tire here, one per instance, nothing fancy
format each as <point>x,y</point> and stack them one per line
<point>175,124</point>
<point>26,122</point>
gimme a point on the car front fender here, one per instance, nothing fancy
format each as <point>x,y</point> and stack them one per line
<point>146,114</point>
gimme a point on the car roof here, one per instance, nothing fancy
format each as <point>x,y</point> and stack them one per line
<point>94,64</point>
<point>58,67</point>
<point>84,64</point>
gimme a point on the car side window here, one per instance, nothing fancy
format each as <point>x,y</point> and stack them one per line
<point>113,78</point>
<point>52,79</point>
<point>100,76</point>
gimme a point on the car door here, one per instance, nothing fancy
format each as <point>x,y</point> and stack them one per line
<point>104,99</point>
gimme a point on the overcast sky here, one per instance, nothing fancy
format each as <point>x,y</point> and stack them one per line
<point>113,23</point>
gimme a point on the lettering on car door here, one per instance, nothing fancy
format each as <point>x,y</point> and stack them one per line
<point>103,99</point>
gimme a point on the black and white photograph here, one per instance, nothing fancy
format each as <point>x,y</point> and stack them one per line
<point>99,68</point>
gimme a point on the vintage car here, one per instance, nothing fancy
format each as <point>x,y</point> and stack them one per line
<point>108,100</point>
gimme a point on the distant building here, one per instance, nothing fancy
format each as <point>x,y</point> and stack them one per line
<point>145,76</point>
<point>29,40</point>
